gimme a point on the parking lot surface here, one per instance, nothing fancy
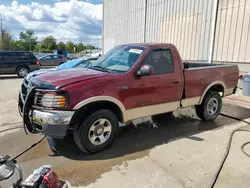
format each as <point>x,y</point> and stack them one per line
<point>180,151</point>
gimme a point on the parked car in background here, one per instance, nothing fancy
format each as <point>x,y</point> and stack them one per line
<point>60,52</point>
<point>18,62</point>
<point>76,63</point>
<point>52,60</point>
<point>71,57</point>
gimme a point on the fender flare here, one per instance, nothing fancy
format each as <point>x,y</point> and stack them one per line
<point>210,86</point>
<point>103,98</point>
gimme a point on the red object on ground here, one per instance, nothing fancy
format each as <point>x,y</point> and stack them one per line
<point>51,179</point>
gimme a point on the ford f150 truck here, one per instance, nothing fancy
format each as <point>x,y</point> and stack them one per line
<point>129,82</point>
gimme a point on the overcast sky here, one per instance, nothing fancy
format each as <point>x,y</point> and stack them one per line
<point>66,20</point>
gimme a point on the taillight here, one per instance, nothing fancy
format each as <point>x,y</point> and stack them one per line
<point>65,59</point>
<point>37,62</point>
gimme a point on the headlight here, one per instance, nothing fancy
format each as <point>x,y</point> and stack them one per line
<point>52,100</point>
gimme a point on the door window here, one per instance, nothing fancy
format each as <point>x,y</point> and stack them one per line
<point>56,57</point>
<point>161,60</point>
<point>9,56</point>
<point>24,55</point>
<point>47,58</point>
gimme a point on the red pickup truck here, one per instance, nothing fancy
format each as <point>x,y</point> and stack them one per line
<point>129,82</point>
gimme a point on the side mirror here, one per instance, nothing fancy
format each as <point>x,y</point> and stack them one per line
<point>145,70</point>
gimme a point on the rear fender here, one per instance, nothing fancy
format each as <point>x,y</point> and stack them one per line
<point>210,86</point>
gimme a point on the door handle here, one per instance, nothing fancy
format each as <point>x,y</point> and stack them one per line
<point>175,81</point>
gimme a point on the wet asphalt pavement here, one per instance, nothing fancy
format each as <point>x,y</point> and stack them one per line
<point>133,142</point>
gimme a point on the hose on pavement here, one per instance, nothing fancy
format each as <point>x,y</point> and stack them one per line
<point>229,147</point>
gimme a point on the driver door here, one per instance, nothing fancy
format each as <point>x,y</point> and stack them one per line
<point>159,92</point>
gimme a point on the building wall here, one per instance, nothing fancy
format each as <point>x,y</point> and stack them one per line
<point>123,22</point>
<point>233,31</point>
<point>189,24</point>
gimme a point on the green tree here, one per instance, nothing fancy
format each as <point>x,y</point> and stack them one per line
<point>28,39</point>
<point>49,43</point>
<point>70,47</point>
<point>80,47</point>
<point>38,48</point>
<point>6,41</point>
<point>90,47</point>
<point>60,45</point>
<point>19,45</point>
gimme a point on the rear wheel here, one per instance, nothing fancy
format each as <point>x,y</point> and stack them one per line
<point>211,106</point>
<point>96,132</point>
<point>22,72</point>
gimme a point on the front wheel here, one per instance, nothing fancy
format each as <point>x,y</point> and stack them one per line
<point>96,132</point>
<point>211,106</point>
<point>22,72</point>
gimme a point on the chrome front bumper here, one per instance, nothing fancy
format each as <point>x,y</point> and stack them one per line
<point>52,123</point>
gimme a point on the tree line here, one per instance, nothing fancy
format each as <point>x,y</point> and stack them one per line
<point>29,42</point>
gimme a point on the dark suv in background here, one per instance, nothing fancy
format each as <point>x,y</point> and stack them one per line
<point>18,62</point>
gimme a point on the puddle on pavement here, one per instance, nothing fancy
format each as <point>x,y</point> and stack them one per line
<point>134,141</point>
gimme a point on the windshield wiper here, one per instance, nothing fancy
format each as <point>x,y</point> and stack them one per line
<point>97,67</point>
<point>117,70</point>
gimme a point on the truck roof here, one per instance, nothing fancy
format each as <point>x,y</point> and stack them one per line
<point>151,44</point>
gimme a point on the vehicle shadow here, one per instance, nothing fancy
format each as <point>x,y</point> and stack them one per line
<point>151,132</point>
<point>9,77</point>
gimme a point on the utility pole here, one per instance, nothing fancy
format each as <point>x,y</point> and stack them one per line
<point>30,43</point>
<point>1,27</point>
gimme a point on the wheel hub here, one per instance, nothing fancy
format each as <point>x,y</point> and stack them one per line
<point>212,106</point>
<point>100,131</point>
<point>23,72</point>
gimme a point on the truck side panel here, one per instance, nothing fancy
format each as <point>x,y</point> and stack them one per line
<point>198,81</point>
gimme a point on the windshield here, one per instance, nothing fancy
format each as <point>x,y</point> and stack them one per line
<point>119,59</point>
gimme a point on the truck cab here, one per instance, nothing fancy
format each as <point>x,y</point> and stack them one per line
<point>131,81</point>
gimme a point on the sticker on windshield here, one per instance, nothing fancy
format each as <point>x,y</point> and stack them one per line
<point>136,51</point>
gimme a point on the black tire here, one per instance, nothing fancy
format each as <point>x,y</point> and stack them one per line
<point>202,110</point>
<point>81,131</point>
<point>22,72</point>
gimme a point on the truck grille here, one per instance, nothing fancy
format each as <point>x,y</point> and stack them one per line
<point>38,94</point>
<point>26,85</point>
<point>37,98</point>
<point>25,88</point>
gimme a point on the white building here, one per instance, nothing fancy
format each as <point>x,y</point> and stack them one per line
<point>202,30</point>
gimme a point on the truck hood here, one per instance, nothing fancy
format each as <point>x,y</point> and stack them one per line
<point>38,72</point>
<point>65,77</point>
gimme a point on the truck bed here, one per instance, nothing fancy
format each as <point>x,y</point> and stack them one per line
<point>198,66</point>
<point>198,77</point>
